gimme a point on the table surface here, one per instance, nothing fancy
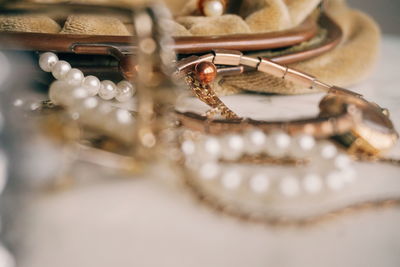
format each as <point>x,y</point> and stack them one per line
<point>155,222</point>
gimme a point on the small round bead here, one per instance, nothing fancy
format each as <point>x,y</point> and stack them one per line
<point>74,77</point>
<point>123,116</point>
<point>71,97</point>
<point>60,69</point>
<point>206,72</point>
<point>18,102</point>
<point>90,103</point>
<point>47,61</point>
<point>259,183</point>
<point>289,186</point>
<point>334,180</point>
<point>213,8</point>
<point>278,144</point>
<point>125,91</point>
<point>210,147</point>
<point>325,150</point>
<point>57,92</point>
<point>92,85</point>
<point>108,90</point>
<point>79,93</point>
<point>231,179</point>
<point>232,147</point>
<point>312,183</point>
<point>209,171</point>
<point>342,162</point>
<point>302,146</point>
<point>255,141</point>
<point>188,147</point>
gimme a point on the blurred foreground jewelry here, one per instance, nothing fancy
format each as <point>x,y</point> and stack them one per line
<point>280,180</point>
<point>143,134</point>
<point>362,126</point>
<point>6,259</point>
<point>316,163</point>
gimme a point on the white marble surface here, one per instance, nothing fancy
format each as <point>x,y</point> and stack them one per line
<point>155,222</point>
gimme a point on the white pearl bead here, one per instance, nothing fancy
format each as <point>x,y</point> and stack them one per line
<point>312,183</point>
<point>301,146</point>
<point>79,93</point>
<point>278,144</point>
<point>325,150</point>
<point>60,69</point>
<point>209,171</point>
<point>73,96</point>
<point>108,90</point>
<point>90,103</point>
<point>342,162</point>
<point>289,186</point>
<point>92,85</point>
<point>255,141</point>
<point>259,183</point>
<point>213,8</point>
<point>57,92</point>
<point>232,147</point>
<point>334,180</point>
<point>74,77</point>
<point>125,91</point>
<point>47,61</point>
<point>123,116</point>
<point>188,147</point>
<point>18,102</point>
<point>210,148</point>
<point>231,179</point>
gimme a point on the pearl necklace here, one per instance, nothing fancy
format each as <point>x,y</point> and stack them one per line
<point>62,71</point>
<point>208,159</point>
<point>78,95</point>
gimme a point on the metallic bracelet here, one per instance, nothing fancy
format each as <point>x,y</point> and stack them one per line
<point>361,125</point>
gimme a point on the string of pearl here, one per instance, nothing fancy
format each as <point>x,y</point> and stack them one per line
<point>328,168</point>
<point>78,94</point>
<point>107,90</point>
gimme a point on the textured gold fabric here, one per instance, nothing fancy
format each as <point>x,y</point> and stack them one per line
<point>29,24</point>
<point>94,25</point>
<point>349,63</point>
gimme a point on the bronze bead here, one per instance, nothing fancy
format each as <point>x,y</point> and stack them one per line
<point>206,72</point>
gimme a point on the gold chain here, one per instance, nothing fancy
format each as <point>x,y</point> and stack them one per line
<point>287,221</point>
<point>206,94</point>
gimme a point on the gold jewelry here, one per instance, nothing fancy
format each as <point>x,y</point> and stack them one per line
<point>364,126</point>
